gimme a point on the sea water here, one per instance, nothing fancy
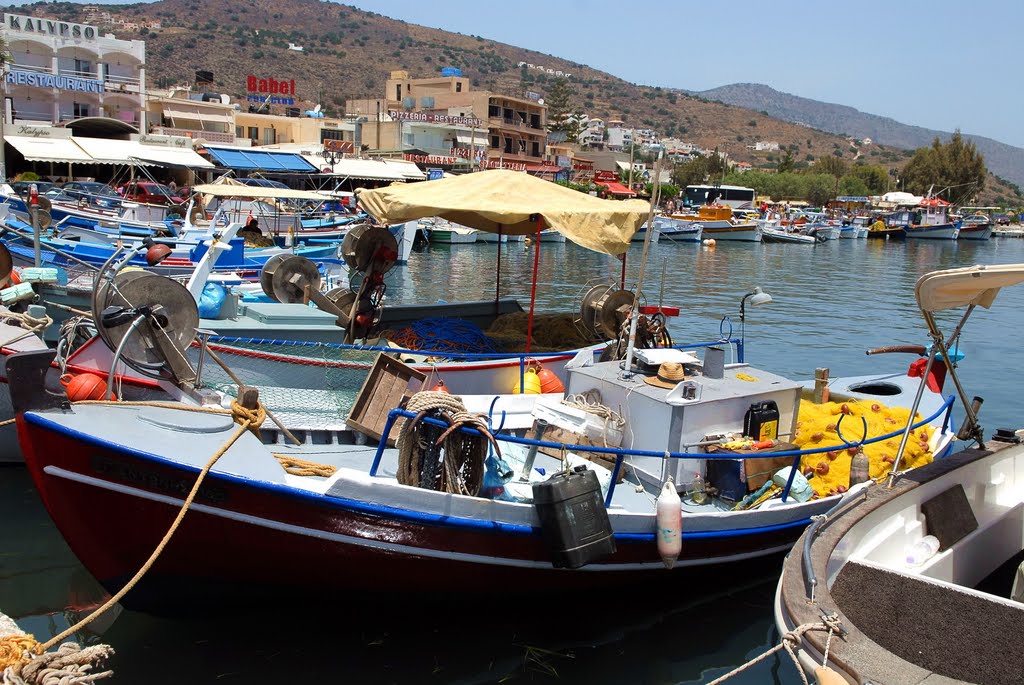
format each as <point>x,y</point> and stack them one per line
<point>831,302</point>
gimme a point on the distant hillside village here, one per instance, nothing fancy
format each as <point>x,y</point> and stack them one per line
<point>71,83</point>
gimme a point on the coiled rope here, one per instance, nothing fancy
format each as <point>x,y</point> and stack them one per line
<point>248,419</point>
<point>461,456</point>
<point>33,325</point>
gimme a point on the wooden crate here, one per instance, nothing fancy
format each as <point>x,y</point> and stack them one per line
<point>759,469</point>
<point>385,388</point>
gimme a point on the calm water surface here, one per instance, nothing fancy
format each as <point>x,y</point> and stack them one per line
<point>831,302</point>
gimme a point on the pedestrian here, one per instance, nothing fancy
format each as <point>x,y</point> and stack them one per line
<point>173,186</point>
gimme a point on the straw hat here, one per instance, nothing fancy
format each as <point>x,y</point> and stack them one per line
<point>669,375</point>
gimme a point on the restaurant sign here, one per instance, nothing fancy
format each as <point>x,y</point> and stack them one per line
<point>431,160</point>
<point>30,78</point>
<point>49,27</point>
<point>428,118</point>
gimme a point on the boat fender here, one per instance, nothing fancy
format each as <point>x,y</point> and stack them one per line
<point>669,519</point>
<point>440,387</point>
<point>549,382</point>
<point>157,254</point>
<point>531,383</point>
<point>84,386</point>
<point>823,675</point>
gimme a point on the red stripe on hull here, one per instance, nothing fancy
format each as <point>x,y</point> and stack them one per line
<point>114,532</point>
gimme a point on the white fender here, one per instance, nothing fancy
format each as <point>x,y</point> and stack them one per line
<point>669,518</point>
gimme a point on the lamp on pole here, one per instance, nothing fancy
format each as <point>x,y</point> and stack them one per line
<point>757,297</point>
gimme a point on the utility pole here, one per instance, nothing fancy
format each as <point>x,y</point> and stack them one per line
<point>631,144</point>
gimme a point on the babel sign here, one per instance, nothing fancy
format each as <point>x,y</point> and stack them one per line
<point>270,86</point>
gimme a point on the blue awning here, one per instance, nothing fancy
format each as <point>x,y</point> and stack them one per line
<point>252,160</point>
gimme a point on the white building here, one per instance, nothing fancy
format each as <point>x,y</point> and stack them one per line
<point>61,72</point>
<point>765,146</point>
<point>619,138</point>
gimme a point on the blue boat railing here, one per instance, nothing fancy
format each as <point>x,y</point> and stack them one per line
<point>620,453</point>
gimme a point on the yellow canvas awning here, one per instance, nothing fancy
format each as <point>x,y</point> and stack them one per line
<point>511,201</point>
<point>977,285</point>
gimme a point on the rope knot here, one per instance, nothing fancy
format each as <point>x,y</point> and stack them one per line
<point>251,418</point>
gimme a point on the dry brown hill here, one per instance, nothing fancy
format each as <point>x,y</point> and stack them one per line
<point>348,53</point>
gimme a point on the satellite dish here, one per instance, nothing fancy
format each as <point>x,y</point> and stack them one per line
<point>317,108</point>
<point>540,101</point>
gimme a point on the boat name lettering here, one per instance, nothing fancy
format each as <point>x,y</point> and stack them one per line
<point>31,78</point>
<point>154,480</point>
<point>428,118</point>
<point>49,27</point>
<point>269,85</point>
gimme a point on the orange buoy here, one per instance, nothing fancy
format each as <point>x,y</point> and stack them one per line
<point>549,382</point>
<point>84,386</point>
<point>440,387</point>
<point>15,277</point>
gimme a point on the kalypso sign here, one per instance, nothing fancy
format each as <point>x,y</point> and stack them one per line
<point>49,27</point>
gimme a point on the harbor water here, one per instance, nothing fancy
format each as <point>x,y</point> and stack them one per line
<point>831,302</point>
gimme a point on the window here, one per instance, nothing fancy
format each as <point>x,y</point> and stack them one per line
<point>534,121</point>
<point>493,111</point>
<point>536,149</point>
<point>239,131</point>
<point>508,145</point>
<point>81,109</point>
<point>269,136</point>
<point>327,134</point>
<point>458,86</point>
<point>495,142</point>
<point>83,66</point>
<point>398,92</point>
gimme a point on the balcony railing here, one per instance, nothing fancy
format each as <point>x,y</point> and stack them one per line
<point>209,136</point>
<point>92,75</point>
<point>502,122</point>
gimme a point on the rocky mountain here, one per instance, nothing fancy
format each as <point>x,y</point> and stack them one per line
<point>348,53</point>
<point>1004,160</point>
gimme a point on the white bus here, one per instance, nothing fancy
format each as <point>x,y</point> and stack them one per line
<point>736,197</point>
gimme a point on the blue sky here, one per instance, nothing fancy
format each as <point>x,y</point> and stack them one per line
<point>933,63</point>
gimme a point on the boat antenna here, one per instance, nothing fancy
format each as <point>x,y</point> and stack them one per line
<point>628,368</point>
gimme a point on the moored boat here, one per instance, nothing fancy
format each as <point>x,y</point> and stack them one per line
<point>975,227</point>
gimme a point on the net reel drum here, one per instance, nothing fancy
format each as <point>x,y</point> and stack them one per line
<point>603,310</point>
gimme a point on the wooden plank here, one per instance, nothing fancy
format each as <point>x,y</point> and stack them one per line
<point>386,385</point>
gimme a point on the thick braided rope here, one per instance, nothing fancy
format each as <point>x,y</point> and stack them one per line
<point>790,640</point>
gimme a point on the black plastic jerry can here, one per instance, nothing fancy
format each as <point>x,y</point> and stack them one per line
<point>573,519</point>
<point>762,421</point>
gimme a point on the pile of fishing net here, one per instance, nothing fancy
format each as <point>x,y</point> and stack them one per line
<point>551,333</point>
<point>442,334</point>
<point>816,427</point>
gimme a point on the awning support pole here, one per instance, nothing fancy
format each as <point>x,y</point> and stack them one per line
<point>622,278</point>
<point>627,369</point>
<point>497,280</point>
<point>533,289</point>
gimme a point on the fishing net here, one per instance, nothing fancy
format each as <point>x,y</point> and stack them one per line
<point>551,333</point>
<point>817,428</point>
<point>442,334</point>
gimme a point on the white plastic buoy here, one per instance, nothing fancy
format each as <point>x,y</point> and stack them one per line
<point>669,519</point>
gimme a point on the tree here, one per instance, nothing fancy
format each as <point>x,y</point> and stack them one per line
<point>874,177</point>
<point>562,114</point>
<point>953,170</point>
<point>831,165</point>
<point>786,163</point>
<point>698,170</point>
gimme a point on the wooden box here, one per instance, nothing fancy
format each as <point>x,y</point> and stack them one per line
<point>387,385</point>
<point>759,470</point>
<point>567,437</point>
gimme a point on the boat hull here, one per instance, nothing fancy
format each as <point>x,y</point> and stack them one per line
<point>983,232</point>
<point>749,233</point>
<point>240,534</point>
<point>937,232</point>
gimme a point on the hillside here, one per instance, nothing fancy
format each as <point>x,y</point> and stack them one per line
<point>1004,160</point>
<point>348,53</point>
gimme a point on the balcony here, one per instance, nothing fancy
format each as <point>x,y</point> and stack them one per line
<point>518,124</point>
<point>208,136</point>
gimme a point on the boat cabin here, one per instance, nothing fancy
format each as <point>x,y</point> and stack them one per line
<point>932,212</point>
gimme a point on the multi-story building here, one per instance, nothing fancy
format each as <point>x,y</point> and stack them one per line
<point>493,129</point>
<point>61,72</point>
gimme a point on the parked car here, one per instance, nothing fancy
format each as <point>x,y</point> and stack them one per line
<point>22,188</point>
<point>149,193</point>
<point>93,192</point>
<point>1002,219</point>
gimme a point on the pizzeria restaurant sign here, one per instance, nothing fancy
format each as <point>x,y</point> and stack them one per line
<point>428,118</point>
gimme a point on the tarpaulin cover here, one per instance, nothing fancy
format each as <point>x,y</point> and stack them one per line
<point>258,159</point>
<point>976,285</point>
<point>510,200</point>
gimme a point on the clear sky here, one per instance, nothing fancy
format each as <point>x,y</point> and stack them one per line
<point>932,63</point>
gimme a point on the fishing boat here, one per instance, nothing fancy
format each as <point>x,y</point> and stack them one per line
<point>718,223</point>
<point>641,234</point>
<point>446,233</point>
<point>370,515</point>
<point>895,566</point>
<point>975,227</point>
<point>931,221</point>
<point>679,231</point>
<point>545,236</point>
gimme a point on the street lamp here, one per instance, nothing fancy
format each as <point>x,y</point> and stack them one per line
<point>757,297</point>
